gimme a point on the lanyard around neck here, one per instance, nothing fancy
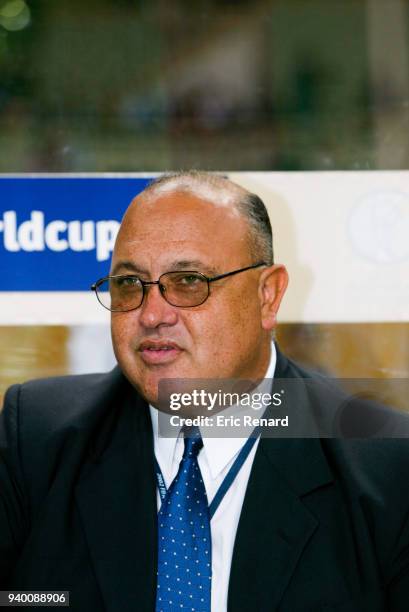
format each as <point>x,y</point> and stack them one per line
<point>228,480</point>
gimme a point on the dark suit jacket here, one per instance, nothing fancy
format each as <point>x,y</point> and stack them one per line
<point>324,525</point>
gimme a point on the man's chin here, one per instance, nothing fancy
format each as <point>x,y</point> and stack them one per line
<point>149,385</point>
<point>156,383</point>
<point>158,390</point>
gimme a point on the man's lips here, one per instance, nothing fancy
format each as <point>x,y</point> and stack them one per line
<point>159,352</point>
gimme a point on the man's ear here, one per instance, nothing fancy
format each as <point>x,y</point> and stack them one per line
<point>272,285</point>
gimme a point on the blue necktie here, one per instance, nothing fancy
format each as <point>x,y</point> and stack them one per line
<point>184,540</point>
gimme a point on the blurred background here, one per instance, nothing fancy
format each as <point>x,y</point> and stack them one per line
<point>240,85</point>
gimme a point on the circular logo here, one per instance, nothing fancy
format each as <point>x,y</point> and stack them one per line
<point>379,227</point>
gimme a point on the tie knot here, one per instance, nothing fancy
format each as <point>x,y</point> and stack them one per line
<point>193,441</point>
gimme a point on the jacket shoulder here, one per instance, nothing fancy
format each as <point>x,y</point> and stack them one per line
<point>48,427</point>
<point>50,403</point>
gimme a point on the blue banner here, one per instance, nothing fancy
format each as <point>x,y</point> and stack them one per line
<point>57,233</point>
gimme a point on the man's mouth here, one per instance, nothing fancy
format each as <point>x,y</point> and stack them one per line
<point>158,353</point>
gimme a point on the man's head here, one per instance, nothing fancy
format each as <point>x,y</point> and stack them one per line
<point>195,221</point>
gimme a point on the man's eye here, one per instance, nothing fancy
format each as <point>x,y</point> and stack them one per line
<point>127,282</point>
<point>189,279</point>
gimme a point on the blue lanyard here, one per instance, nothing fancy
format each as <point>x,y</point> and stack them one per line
<point>227,482</point>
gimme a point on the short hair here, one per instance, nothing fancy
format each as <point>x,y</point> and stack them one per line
<point>214,186</point>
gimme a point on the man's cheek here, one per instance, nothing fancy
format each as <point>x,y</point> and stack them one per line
<point>123,340</point>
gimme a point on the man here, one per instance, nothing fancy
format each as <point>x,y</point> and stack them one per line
<point>91,495</point>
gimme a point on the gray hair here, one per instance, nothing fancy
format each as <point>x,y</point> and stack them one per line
<point>220,189</point>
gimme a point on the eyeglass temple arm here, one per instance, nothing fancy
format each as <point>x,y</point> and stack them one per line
<point>261,263</point>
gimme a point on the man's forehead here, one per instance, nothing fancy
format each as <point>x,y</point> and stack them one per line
<point>183,216</point>
<point>181,227</point>
<point>190,242</point>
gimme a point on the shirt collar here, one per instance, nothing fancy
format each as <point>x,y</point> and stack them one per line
<point>218,452</point>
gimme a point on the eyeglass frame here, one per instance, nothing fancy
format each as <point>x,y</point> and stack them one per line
<point>94,286</point>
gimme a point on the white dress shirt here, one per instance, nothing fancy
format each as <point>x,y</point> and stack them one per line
<point>215,459</point>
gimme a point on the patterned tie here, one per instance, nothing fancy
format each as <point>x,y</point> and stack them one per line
<point>184,540</point>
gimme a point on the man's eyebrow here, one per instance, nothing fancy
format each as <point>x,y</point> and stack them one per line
<point>191,264</point>
<point>128,267</point>
<point>182,264</point>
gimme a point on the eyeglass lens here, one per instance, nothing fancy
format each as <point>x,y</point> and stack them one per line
<point>184,289</point>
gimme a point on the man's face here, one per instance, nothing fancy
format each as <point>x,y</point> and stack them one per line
<point>221,338</point>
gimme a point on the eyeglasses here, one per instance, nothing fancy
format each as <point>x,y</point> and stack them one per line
<point>184,289</point>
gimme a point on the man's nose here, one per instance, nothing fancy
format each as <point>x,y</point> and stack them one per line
<point>155,310</point>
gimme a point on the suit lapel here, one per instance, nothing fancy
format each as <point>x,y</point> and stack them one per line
<point>116,497</point>
<point>275,526</point>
